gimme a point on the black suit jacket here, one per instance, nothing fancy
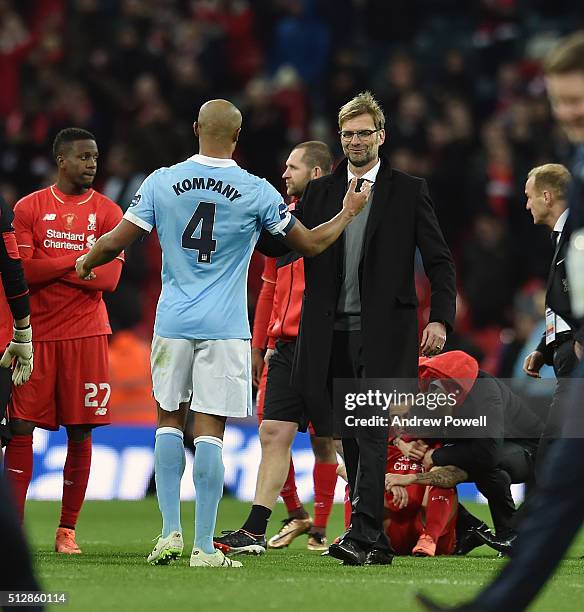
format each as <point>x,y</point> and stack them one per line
<point>558,292</point>
<point>401,218</point>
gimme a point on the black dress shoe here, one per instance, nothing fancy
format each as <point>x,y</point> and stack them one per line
<point>378,556</point>
<point>502,545</point>
<point>428,604</point>
<point>348,551</point>
<point>469,540</point>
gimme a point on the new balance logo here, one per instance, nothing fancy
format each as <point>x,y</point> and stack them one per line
<point>50,217</point>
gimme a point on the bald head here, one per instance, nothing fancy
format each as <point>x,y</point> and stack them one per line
<point>219,120</point>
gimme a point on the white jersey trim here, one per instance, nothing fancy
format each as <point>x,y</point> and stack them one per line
<point>63,201</point>
<point>215,162</point>
<point>132,218</point>
<point>210,439</point>
<point>282,228</point>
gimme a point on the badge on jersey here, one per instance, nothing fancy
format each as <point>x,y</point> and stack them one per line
<point>91,222</point>
<point>69,220</point>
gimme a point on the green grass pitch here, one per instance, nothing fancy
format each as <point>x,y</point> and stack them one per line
<point>112,574</point>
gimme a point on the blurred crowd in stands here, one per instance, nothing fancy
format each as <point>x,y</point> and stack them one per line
<point>460,83</point>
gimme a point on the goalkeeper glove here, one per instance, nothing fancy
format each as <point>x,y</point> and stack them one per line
<point>20,351</point>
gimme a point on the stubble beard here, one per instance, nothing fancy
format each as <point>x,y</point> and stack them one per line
<point>368,157</point>
<point>293,192</point>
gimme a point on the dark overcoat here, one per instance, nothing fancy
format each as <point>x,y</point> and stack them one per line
<point>401,218</point>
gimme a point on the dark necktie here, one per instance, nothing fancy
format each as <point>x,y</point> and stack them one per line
<point>360,182</point>
<point>556,245</point>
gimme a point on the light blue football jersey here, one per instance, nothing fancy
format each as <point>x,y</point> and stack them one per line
<point>208,213</point>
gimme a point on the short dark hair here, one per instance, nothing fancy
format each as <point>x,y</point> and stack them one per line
<point>567,56</point>
<point>317,154</point>
<point>67,136</point>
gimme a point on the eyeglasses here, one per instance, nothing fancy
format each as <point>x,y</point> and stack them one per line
<point>361,134</point>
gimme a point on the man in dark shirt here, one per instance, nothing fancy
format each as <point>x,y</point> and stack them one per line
<point>17,575</point>
<point>495,455</point>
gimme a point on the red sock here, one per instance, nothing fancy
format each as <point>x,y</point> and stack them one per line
<point>18,469</point>
<point>348,507</point>
<point>75,477</point>
<point>325,480</point>
<point>289,493</point>
<point>439,511</point>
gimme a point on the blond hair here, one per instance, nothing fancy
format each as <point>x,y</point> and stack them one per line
<point>552,177</point>
<point>567,56</point>
<point>316,155</point>
<point>362,103</point>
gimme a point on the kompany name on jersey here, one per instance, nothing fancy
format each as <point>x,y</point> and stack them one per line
<point>206,242</point>
<point>207,183</point>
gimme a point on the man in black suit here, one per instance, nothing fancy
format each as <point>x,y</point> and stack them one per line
<point>359,315</point>
<point>546,191</point>
<point>556,512</point>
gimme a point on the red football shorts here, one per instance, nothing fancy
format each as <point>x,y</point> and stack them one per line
<point>261,396</point>
<point>69,384</point>
<point>406,525</point>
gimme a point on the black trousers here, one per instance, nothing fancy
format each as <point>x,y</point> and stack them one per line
<point>555,515</point>
<point>516,465</point>
<point>365,455</point>
<point>17,575</point>
<point>564,363</point>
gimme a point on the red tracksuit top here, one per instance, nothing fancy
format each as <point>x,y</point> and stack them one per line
<point>279,304</point>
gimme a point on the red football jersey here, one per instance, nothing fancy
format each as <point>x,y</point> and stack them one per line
<point>50,224</point>
<point>398,463</point>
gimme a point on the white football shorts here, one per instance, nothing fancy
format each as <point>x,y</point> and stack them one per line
<point>216,374</point>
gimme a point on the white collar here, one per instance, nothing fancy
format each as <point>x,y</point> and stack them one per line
<point>559,226</point>
<point>370,176</point>
<point>217,162</point>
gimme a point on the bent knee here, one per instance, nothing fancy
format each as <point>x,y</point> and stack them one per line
<point>21,428</point>
<point>277,432</point>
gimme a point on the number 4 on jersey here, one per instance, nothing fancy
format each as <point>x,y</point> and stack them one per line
<point>205,244</point>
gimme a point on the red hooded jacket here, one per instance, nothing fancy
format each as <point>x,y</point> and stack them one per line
<point>456,370</point>
<point>279,304</point>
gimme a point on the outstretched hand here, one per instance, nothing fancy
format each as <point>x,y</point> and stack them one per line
<point>354,201</point>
